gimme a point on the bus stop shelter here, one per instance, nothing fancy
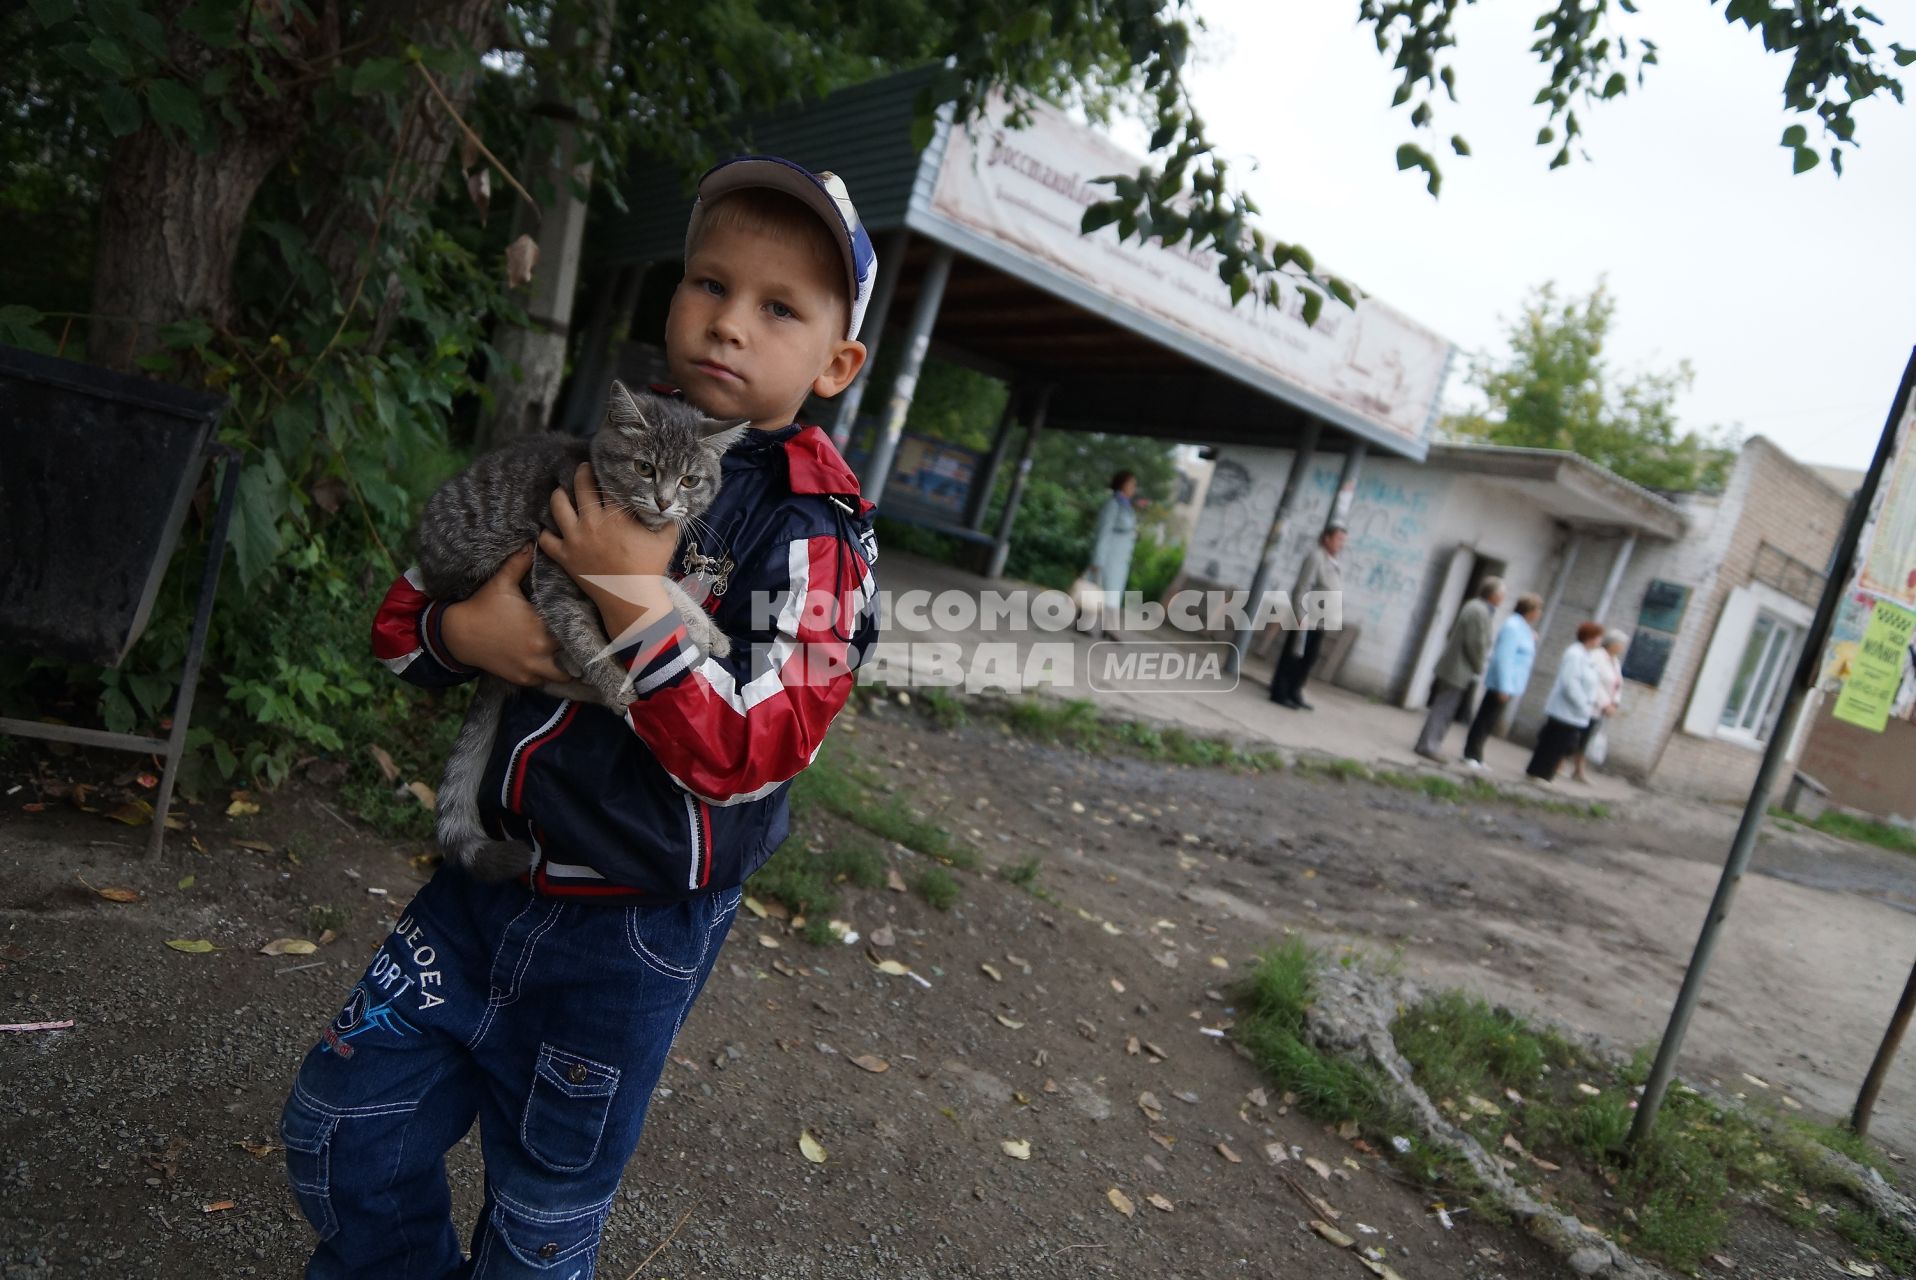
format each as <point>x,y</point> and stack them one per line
<point>982,263</point>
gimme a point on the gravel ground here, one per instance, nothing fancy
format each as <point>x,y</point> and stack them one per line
<point>161,1101</point>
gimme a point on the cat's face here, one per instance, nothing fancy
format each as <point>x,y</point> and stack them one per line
<point>659,459</point>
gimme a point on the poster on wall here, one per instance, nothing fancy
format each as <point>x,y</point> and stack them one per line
<point>1871,649</point>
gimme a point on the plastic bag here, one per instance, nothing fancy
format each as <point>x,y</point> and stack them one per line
<point>1089,597</point>
<point>1595,751</point>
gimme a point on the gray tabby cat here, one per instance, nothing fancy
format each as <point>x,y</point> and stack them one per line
<point>658,459</point>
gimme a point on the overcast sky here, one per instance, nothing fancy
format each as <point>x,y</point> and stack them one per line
<point>1793,297</point>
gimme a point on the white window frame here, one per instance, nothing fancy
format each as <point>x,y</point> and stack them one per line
<point>1710,695</point>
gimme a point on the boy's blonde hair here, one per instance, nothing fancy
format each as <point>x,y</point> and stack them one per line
<point>763,211</point>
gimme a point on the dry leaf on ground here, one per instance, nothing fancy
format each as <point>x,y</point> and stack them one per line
<point>116,893</point>
<point>753,905</point>
<point>198,946</point>
<point>1318,1167</point>
<point>810,1148</point>
<point>1121,1202</point>
<point>218,1206</point>
<point>1159,1203</point>
<point>387,769</point>
<point>1331,1234</point>
<point>1016,1148</point>
<point>872,1063</point>
<point>1229,1154</point>
<point>289,947</point>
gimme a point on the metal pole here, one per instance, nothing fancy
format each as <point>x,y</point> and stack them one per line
<point>873,329</point>
<point>1807,666</point>
<point>978,503</point>
<point>1306,451</point>
<point>1618,564</point>
<point>1885,1054</point>
<point>931,291</point>
<point>1556,588</point>
<point>196,641</point>
<point>1001,545</point>
<point>1346,495</point>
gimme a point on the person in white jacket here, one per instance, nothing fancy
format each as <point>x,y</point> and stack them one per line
<point>1607,659</point>
<point>1574,700</point>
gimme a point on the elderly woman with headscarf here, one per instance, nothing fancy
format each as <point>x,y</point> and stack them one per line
<point>1574,699</point>
<point>1608,661</point>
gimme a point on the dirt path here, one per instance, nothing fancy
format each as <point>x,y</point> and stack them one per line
<point>118,1133</point>
<point>1589,922</point>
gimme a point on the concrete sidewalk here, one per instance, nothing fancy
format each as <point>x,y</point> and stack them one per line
<point>1343,724</point>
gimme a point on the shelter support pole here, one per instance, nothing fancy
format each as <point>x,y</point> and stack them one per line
<point>1618,564</point>
<point>1809,666</point>
<point>1346,487</point>
<point>1885,1054</point>
<point>1261,579</point>
<point>931,292</point>
<point>1563,580</point>
<point>872,330</point>
<point>1001,545</point>
<point>978,502</point>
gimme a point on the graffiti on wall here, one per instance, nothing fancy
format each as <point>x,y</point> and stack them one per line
<point>1389,520</point>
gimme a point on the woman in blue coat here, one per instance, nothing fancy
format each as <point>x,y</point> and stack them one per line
<point>1507,676</point>
<point>1116,538</point>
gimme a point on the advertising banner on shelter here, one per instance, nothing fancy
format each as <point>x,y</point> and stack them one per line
<point>1026,190</point>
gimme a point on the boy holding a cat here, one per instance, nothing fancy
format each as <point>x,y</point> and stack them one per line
<point>545,1006</point>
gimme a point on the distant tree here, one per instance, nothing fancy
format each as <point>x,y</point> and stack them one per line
<point>1555,390</point>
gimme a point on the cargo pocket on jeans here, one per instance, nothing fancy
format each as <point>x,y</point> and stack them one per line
<point>566,1110</point>
<point>308,1135</point>
<point>557,1242</point>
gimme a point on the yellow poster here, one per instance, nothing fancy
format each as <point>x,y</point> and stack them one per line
<point>1889,555</point>
<point>1876,671</point>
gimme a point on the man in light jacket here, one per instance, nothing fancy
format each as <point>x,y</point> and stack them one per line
<point>1320,573</point>
<point>1466,654</point>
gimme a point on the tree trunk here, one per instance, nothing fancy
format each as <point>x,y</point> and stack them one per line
<point>170,223</point>
<point>525,383</point>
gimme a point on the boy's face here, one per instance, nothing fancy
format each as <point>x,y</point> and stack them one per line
<point>756,324</point>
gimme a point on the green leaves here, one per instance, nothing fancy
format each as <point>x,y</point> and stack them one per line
<point>1412,156</point>
<point>176,107</point>
<point>377,76</point>
<point>1805,160</point>
<point>120,109</point>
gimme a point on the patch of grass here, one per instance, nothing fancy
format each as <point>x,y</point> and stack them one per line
<point>1273,1002</point>
<point>1866,831</point>
<point>1076,723</point>
<point>857,863</point>
<point>843,789</point>
<point>321,918</point>
<point>1023,873</point>
<point>943,707</point>
<point>1340,768</point>
<point>1681,1185</point>
<point>818,931</point>
<point>795,876</point>
<point>1875,1241</point>
<point>936,886</point>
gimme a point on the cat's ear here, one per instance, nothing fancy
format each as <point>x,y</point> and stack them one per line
<point>625,405</point>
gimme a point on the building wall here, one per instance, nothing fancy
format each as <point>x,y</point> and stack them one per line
<point>1777,501</point>
<point>1405,520</point>
<point>1873,772</point>
<point>1638,731</point>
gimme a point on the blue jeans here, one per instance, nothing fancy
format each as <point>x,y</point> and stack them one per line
<point>549,1020</point>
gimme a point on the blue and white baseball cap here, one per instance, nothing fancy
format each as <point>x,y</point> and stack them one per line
<point>822,193</point>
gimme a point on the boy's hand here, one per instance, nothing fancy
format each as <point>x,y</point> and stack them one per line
<point>497,630</point>
<point>598,541</point>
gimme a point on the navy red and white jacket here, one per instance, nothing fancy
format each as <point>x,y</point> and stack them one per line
<point>685,792</point>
